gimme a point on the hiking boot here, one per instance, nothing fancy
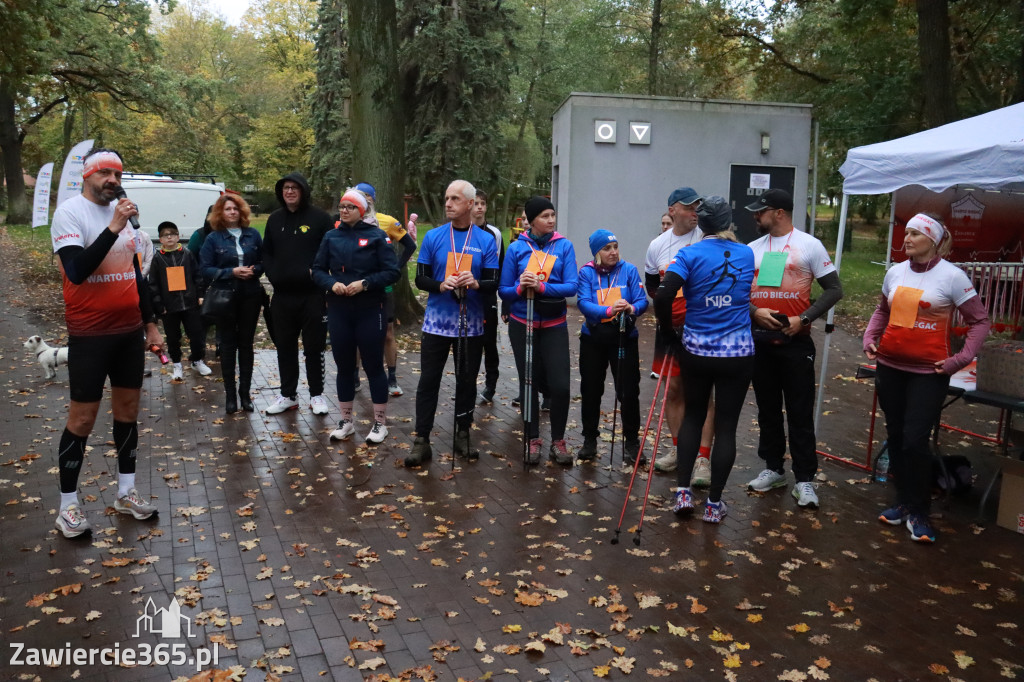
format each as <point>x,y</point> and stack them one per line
<point>201,367</point>
<point>589,449</point>
<point>560,453</point>
<point>630,450</point>
<point>683,502</point>
<point>533,451</point>
<point>921,528</point>
<point>667,462</point>
<point>462,446</point>
<point>71,522</point>
<point>487,397</point>
<point>420,452</point>
<point>893,515</point>
<point>394,389</point>
<point>319,405</point>
<point>805,496</point>
<point>346,429</point>
<point>701,476</point>
<point>176,372</point>
<point>133,504</point>
<point>378,432</point>
<point>714,512</point>
<point>282,404</point>
<point>766,480</point>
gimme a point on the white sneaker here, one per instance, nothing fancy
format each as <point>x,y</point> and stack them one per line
<point>666,462</point>
<point>282,404</point>
<point>346,429</point>
<point>72,522</point>
<point>766,480</point>
<point>701,476</point>
<point>133,504</point>
<point>805,496</point>
<point>394,389</point>
<point>378,433</point>
<point>176,372</point>
<point>319,405</point>
<point>654,375</point>
<point>201,367</point>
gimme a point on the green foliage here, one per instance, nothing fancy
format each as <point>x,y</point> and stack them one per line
<point>332,147</point>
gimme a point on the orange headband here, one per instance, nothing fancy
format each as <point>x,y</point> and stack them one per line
<point>101,160</point>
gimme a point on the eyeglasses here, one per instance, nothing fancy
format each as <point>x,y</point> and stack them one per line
<point>347,207</point>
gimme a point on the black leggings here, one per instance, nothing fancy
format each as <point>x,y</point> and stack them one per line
<point>912,404</point>
<point>730,378</point>
<point>550,362</point>
<point>596,357</point>
<point>359,328</point>
<point>237,336</point>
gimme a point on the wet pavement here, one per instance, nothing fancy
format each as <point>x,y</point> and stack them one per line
<point>299,558</point>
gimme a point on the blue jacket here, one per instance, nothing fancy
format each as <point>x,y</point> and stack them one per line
<point>625,276</point>
<point>219,257</point>
<point>349,254</point>
<point>549,305</point>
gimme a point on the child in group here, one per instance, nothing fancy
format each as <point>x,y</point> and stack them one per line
<point>177,288</point>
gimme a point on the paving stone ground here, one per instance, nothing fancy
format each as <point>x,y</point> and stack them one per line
<point>305,559</point>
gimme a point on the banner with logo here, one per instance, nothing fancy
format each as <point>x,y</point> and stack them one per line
<point>41,205</point>
<point>71,175</point>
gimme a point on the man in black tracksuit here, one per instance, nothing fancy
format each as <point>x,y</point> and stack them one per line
<point>290,242</point>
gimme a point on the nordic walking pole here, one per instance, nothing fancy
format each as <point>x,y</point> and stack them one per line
<point>654,453</point>
<point>460,359</point>
<point>616,383</point>
<point>636,464</point>
<point>528,379</point>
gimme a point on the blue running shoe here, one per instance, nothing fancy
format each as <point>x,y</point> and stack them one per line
<point>684,502</point>
<point>893,515</point>
<point>714,512</point>
<point>921,529</point>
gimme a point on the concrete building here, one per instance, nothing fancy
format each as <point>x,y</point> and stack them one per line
<point>616,158</point>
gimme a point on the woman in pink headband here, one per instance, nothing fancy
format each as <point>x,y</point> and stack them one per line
<point>909,337</point>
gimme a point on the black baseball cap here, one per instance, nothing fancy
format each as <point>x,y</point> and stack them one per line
<point>772,198</point>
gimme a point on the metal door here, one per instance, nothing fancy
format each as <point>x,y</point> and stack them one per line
<point>746,184</point>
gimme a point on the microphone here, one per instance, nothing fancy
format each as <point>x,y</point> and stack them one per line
<point>121,194</point>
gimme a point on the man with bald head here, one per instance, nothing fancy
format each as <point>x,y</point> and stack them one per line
<point>458,262</point>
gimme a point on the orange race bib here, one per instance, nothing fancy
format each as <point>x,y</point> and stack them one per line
<point>176,278</point>
<point>541,264</point>
<point>608,297</point>
<point>903,311</point>
<point>458,263</point>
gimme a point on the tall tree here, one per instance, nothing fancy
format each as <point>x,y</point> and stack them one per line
<point>332,149</point>
<point>936,65</point>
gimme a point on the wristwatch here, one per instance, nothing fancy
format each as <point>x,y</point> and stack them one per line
<point>805,321</point>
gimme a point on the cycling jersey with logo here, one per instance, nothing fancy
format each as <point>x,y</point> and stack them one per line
<point>660,253</point>
<point>107,302</point>
<point>442,314</point>
<point>944,288</point>
<point>716,275</point>
<point>806,261</point>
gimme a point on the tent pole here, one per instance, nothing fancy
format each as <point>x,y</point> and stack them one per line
<point>892,222</point>
<point>814,185</point>
<point>829,321</point>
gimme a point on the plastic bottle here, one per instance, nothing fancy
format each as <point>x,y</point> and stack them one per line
<point>882,467</point>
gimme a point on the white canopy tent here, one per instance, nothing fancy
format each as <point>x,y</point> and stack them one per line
<point>986,152</point>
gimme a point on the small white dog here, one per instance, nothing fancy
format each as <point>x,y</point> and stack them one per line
<point>49,357</point>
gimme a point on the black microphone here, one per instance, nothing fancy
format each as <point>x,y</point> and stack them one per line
<point>121,194</point>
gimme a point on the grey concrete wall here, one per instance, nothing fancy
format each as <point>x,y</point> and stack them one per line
<point>624,187</point>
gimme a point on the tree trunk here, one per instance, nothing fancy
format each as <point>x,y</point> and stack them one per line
<point>18,210</point>
<point>936,65</point>
<point>1018,92</point>
<point>378,142</point>
<point>654,50</point>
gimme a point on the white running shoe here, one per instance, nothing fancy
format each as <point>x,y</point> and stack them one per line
<point>766,480</point>
<point>346,429</point>
<point>319,405</point>
<point>133,504</point>
<point>666,462</point>
<point>176,372</point>
<point>282,404</point>
<point>701,476</point>
<point>72,522</point>
<point>394,389</point>
<point>805,496</point>
<point>201,367</point>
<point>378,433</point>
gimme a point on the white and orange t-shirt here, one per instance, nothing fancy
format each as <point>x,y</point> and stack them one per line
<point>660,254</point>
<point>107,302</point>
<point>925,341</point>
<point>806,261</point>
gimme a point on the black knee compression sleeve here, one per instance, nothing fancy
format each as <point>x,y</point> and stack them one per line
<point>70,455</point>
<point>126,440</point>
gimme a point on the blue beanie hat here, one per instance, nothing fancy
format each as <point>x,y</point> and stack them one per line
<point>367,189</point>
<point>600,239</point>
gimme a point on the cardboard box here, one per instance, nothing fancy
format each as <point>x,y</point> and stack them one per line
<point>1011,496</point>
<point>1001,368</point>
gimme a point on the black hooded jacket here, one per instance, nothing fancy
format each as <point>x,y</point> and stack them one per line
<point>291,240</point>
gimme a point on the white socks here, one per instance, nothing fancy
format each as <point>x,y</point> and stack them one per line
<point>125,482</point>
<point>68,499</point>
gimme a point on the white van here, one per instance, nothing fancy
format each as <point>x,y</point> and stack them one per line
<point>182,202</point>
